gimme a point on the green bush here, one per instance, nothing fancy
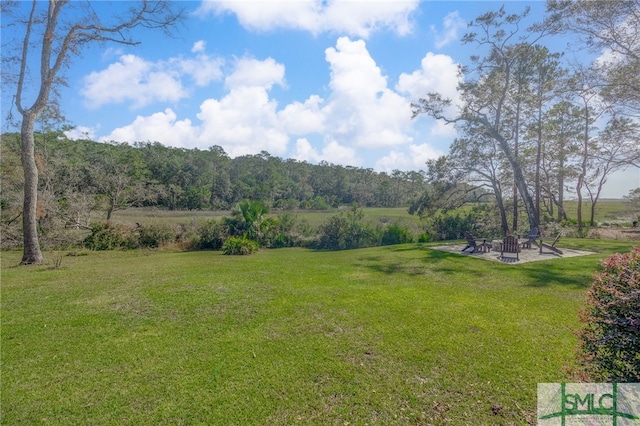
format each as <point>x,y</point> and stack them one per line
<point>316,203</point>
<point>212,235</point>
<point>347,231</point>
<point>480,221</point>
<point>396,234</point>
<point>279,232</point>
<point>154,236</point>
<point>424,238</point>
<point>452,226</point>
<point>239,246</point>
<point>110,236</point>
<point>610,340</point>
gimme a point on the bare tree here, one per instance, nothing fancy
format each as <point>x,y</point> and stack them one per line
<point>60,31</point>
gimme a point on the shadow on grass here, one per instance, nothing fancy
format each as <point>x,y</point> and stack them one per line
<point>431,260</point>
<point>574,272</point>
<point>548,275</point>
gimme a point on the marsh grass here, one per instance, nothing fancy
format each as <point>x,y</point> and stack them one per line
<point>387,335</point>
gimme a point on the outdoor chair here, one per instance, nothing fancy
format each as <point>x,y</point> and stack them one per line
<point>551,246</point>
<point>510,245</point>
<point>472,243</point>
<point>530,238</point>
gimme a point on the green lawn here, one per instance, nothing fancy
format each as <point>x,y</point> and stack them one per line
<point>388,335</point>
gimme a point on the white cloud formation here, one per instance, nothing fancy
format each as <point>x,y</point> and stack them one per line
<point>360,115</point>
<point>203,69</point>
<point>81,132</point>
<point>438,73</point>
<point>132,79</point>
<point>358,18</point>
<point>242,122</point>
<point>303,118</point>
<point>332,152</point>
<point>199,46</point>
<point>414,158</point>
<point>159,127</point>
<point>362,109</point>
<point>256,73</point>
<point>452,25</point>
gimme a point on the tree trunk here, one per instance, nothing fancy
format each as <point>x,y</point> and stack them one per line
<point>520,181</point>
<point>592,219</point>
<point>32,253</point>
<point>579,212</point>
<point>560,202</point>
<point>538,160</point>
<point>583,171</point>
<point>501,208</point>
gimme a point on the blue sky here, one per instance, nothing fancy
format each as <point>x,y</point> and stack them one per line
<point>309,80</point>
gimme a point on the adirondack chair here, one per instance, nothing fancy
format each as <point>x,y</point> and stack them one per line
<point>551,246</point>
<point>510,245</point>
<point>472,243</point>
<point>530,238</point>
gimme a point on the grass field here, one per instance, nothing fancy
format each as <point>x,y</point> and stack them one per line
<point>607,211</point>
<point>389,335</point>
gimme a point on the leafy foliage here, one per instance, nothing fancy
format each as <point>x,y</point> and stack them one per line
<point>110,236</point>
<point>154,236</point>
<point>347,231</point>
<point>611,337</point>
<point>396,234</point>
<point>239,246</point>
<point>212,235</point>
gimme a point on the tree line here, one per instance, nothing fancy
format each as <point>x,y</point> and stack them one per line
<point>83,180</point>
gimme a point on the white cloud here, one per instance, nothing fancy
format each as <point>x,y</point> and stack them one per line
<point>203,69</point>
<point>199,46</point>
<point>81,132</point>
<point>159,127</point>
<point>438,73</point>
<point>302,118</point>
<point>362,110</point>
<point>332,152</point>
<point>360,115</point>
<point>304,151</point>
<point>142,83</point>
<point>358,18</point>
<point>414,158</point>
<point>452,24</point>
<point>253,72</point>
<point>132,79</point>
<point>442,129</point>
<point>243,122</point>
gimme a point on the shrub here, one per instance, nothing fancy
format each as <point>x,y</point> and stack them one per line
<point>212,235</point>
<point>396,234</point>
<point>424,238</point>
<point>154,236</point>
<point>110,236</point>
<point>239,246</point>
<point>279,232</point>
<point>347,231</point>
<point>452,226</point>
<point>610,340</point>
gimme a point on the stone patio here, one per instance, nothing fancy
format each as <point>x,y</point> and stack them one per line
<point>526,255</point>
